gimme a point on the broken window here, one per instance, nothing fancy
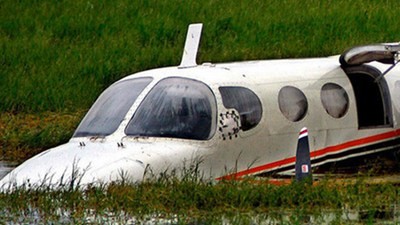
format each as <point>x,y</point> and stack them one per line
<point>111,107</point>
<point>334,99</point>
<point>176,108</point>
<point>292,103</point>
<point>245,102</point>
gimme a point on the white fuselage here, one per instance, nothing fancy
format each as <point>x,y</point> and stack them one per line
<point>230,147</point>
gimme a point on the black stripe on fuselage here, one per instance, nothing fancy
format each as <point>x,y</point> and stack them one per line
<point>393,144</point>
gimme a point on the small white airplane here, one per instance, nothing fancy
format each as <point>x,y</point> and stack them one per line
<point>230,120</point>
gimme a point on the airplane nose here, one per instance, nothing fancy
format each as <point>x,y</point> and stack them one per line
<point>124,169</point>
<point>71,165</point>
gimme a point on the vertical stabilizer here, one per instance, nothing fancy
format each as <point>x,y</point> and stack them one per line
<point>191,46</point>
<point>303,161</point>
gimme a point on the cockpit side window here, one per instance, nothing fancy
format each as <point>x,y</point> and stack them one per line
<point>111,107</point>
<point>245,102</point>
<point>176,108</point>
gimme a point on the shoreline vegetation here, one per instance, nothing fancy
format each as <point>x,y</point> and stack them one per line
<point>57,56</point>
<point>169,200</point>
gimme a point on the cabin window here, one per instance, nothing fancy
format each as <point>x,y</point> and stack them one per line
<point>334,99</point>
<point>176,108</point>
<point>245,102</point>
<point>292,103</point>
<point>111,107</point>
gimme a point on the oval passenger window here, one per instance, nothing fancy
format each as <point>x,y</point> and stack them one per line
<point>292,103</point>
<point>334,99</point>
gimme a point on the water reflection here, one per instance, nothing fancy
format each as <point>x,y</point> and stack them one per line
<point>34,215</point>
<point>6,167</point>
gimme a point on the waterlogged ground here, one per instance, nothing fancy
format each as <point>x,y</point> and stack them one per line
<point>6,167</point>
<point>192,201</point>
<point>274,217</point>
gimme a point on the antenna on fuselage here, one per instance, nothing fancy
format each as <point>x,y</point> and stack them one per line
<point>303,161</point>
<point>191,46</point>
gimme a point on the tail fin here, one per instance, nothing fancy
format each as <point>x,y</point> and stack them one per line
<point>303,161</point>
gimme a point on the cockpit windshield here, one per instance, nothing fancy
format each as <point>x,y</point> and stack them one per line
<point>176,108</point>
<point>111,107</point>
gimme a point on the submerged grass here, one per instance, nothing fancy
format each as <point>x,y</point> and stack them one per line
<point>198,202</point>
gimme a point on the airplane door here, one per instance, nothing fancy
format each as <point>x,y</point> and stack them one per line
<point>372,97</point>
<point>371,90</point>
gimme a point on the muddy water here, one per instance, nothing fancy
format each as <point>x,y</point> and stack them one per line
<point>6,167</point>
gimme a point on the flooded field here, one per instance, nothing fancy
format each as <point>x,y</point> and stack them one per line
<point>172,201</point>
<point>358,200</point>
<point>6,167</point>
<point>90,216</point>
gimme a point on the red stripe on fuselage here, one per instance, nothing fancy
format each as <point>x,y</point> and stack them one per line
<point>321,152</point>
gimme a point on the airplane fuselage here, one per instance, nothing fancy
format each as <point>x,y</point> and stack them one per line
<point>227,120</point>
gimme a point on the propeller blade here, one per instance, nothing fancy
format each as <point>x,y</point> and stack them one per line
<point>303,161</point>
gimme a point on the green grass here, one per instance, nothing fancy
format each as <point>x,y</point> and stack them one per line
<point>24,135</point>
<point>59,55</point>
<point>195,201</point>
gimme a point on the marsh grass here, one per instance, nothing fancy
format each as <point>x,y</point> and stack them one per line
<point>24,135</point>
<point>58,56</point>
<point>195,201</point>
